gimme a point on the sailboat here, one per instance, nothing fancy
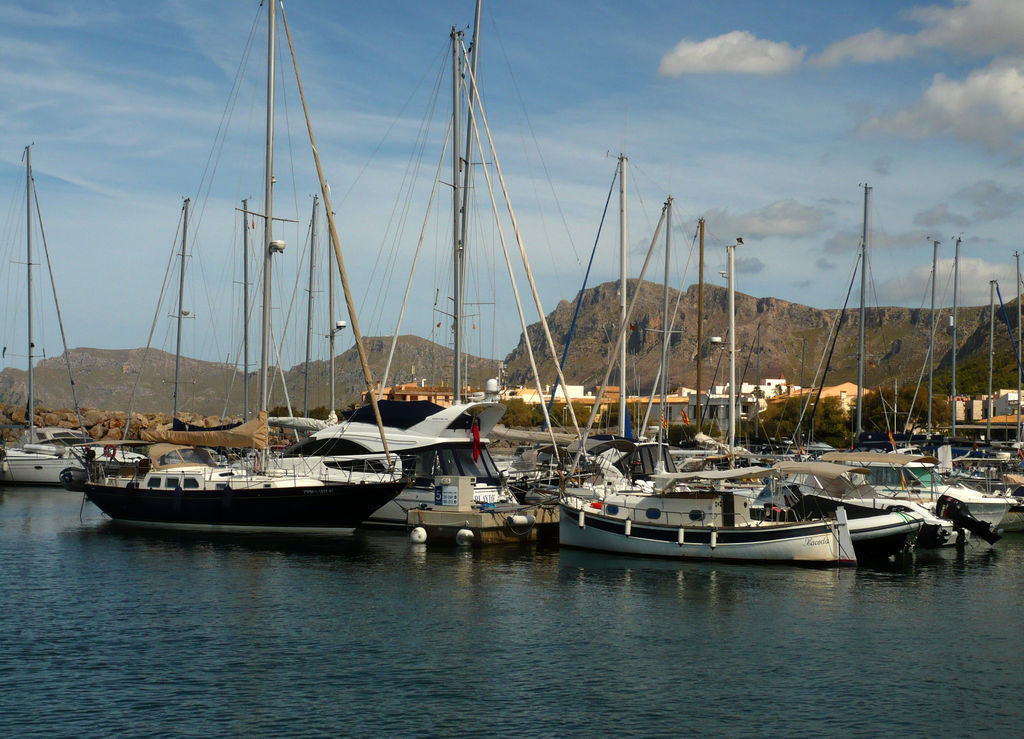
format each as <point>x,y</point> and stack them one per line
<point>44,452</point>
<point>181,485</point>
<point>437,447</point>
<point>690,515</point>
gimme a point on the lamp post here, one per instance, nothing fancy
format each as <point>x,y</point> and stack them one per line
<point>336,329</point>
<point>731,267</point>
<point>713,343</point>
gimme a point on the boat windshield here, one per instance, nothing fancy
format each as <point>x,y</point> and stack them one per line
<point>925,475</point>
<point>58,437</point>
<point>902,478</point>
<point>68,438</point>
<point>187,455</point>
<point>449,459</point>
<point>643,461</point>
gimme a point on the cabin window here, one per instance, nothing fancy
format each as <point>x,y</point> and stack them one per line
<point>426,464</point>
<point>446,460</point>
<point>357,465</point>
<point>171,482</point>
<point>482,468</point>
<point>152,482</point>
<point>326,447</point>
<point>191,483</point>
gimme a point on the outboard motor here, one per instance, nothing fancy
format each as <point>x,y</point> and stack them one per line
<point>956,511</point>
<point>73,479</point>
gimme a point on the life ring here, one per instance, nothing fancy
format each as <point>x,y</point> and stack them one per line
<point>109,451</point>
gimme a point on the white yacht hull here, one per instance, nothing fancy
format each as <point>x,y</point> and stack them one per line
<point>819,542</point>
<point>29,468</point>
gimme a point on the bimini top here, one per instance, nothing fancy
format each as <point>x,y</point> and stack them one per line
<point>398,414</point>
<point>169,456</point>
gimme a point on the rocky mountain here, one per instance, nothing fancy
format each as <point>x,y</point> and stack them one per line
<point>789,335</point>
<point>109,379</point>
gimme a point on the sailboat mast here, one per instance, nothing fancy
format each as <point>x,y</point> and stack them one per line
<point>467,160</point>
<point>956,290</point>
<point>181,296</point>
<point>268,209</point>
<point>665,335</point>
<point>1016,256</point>
<point>245,307</point>
<point>456,220</point>
<point>757,386</point>
<point>31,411</point>
<point>731,253</point>
<point>622,293</point>
<point>931,338</point>
<point>991,352</point>
<point>333,329</point>
<point>700,322</point>
<point>309,305</point>
<point>863,313</point>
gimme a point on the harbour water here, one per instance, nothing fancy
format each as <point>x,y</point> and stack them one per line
<point>107,631</point>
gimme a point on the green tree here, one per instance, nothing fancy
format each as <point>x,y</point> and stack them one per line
<point>877,410</point>
<point>830,423</point>
<point>520,414</point>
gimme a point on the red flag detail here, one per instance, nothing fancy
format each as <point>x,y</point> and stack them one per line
<point>476,439</point>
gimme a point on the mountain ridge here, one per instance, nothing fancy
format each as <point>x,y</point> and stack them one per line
<point>791,335</point>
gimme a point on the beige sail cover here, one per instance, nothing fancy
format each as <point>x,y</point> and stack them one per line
<point>252,434</point>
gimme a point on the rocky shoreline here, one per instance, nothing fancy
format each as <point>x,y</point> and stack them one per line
<point>100,425</point>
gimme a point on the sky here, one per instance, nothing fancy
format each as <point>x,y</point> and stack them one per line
<point>766,119</point>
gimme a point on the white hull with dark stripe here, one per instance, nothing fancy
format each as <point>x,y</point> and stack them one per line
<point>818,542</point>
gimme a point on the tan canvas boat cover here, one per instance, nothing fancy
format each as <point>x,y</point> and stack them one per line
<point>252,434</point>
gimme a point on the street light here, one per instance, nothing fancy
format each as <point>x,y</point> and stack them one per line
<point>731,266</point>
<point>336,329</point>
<point>711,343</point>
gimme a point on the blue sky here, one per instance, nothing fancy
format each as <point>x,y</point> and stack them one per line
<point>765,118</point>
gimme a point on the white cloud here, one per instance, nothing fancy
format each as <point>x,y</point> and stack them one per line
<point>781,218</point>
<point>872,46</point>
<point>979,26</point>
<point>970,26</point>
<point>991,200</point>
<point>749,266</point>
<point>882,165</point>
<point>987,108</point>
<point>736,51</point>
<point>940,215</point>
<point>847,241</point>
<point>974,276</point>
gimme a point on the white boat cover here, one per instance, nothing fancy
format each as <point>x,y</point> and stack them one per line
<point>889,458</point>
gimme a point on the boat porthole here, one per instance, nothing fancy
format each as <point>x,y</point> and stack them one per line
<point>696,515</point>
<point>611,510</point>
<point>653,513</point>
